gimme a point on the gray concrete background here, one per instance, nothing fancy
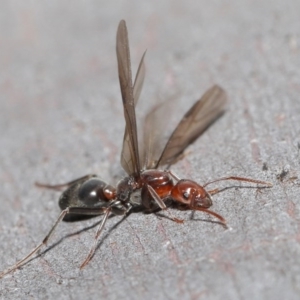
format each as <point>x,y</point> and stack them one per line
<point>61,117</point>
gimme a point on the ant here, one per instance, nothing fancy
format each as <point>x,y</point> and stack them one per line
<point>90,196</point>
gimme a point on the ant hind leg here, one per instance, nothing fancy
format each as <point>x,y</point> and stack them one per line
<point>68,210</point>
<point>64,185</point>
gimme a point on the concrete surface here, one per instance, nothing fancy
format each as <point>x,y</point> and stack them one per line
<point>61,118</point>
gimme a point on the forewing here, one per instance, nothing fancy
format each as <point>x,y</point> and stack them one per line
<point>126,160</point>
<point>139,80</point>
<point>130,153</point>
<point>200,116</point>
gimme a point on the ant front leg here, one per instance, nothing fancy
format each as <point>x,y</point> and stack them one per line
<point>64,185</point>
<point>205,210</point>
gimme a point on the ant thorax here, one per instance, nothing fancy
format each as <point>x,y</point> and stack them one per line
<point>125,187</point>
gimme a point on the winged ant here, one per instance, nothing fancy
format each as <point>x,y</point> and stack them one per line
<point>90,196</point>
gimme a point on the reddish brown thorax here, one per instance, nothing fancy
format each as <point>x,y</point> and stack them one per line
<point>160,181</point>
<point>185,191</point>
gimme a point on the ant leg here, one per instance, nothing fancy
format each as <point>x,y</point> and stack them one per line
<point>161,204</point>
<point>99,230</point>
<point>213,192</point>
<point>69,210</point>
<point>173,175</point>
<point>67,184</point>
<point>23,260</point>
<point>222,220</point>
<point>268,184</point>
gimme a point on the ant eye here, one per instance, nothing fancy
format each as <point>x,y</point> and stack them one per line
<point>186,195</point>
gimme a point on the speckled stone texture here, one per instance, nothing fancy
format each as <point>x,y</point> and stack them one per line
<point>61,117</point>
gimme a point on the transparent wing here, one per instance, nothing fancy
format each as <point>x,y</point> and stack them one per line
<point>139,80</point>
<point>154,133</point>
<point>200,116</point>
<point>130,153</point>
<point>126,160</point>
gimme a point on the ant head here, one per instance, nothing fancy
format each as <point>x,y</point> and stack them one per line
<point>190,193</point>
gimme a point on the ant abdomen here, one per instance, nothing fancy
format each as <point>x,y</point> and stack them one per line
<point>191,194</point>
<point>87,193</point>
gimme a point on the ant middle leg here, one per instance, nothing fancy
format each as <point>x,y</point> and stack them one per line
<point>98,232</point>
<point>108,211</point>
<point>162,204</point>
